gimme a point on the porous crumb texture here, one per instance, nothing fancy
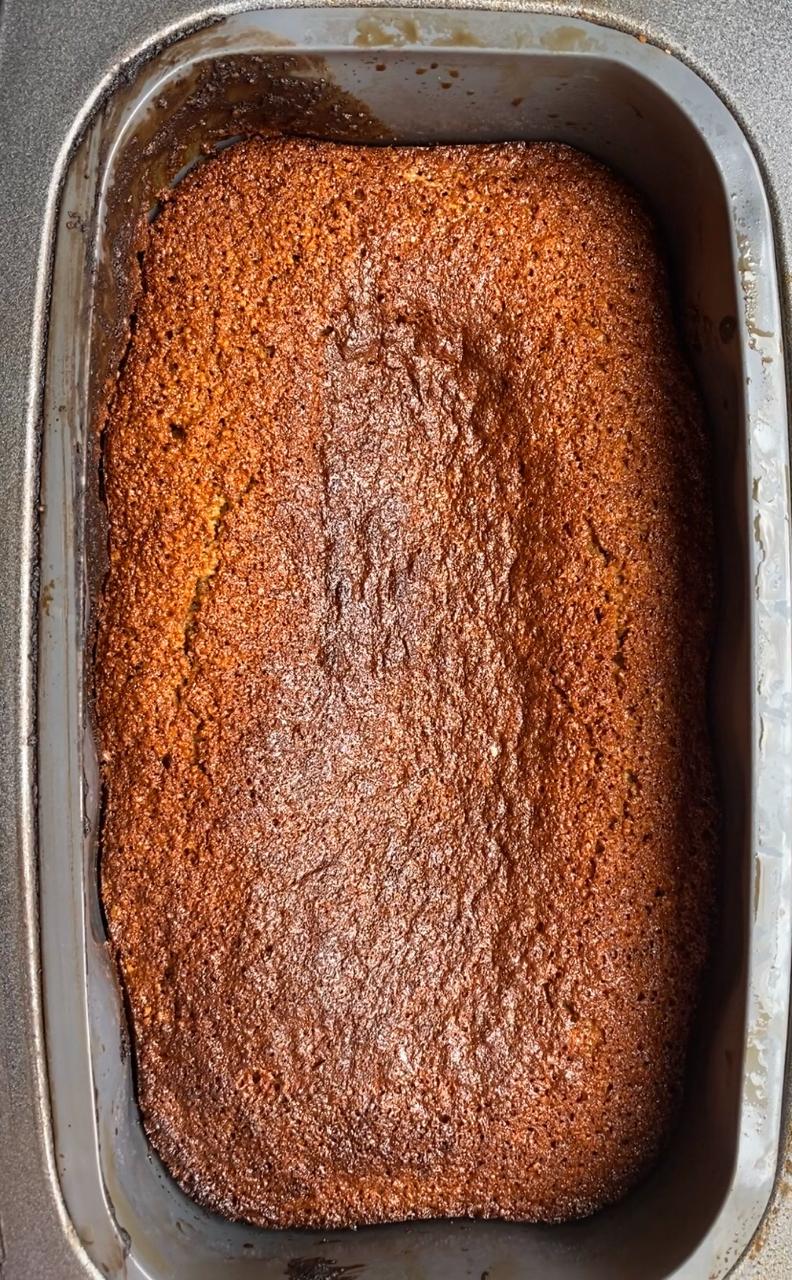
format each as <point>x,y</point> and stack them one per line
<point>401,667</point>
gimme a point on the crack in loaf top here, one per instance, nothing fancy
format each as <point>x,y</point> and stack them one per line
<point>401,684</point>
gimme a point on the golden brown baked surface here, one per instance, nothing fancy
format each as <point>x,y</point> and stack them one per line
<point>400,671</point>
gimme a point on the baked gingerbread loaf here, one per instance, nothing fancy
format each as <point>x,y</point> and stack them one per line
<point>408,842</point>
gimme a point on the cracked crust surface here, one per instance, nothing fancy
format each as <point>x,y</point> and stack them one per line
<point>401,663</point>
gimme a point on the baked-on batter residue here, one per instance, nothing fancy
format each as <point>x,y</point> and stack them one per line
<point>401,669</point>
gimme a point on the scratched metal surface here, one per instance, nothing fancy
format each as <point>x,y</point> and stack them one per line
<point>49,56</point>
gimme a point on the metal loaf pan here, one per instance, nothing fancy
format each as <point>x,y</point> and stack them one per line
<point>424,75</point>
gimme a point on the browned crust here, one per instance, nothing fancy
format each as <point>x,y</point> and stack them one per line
<point>401,685</point>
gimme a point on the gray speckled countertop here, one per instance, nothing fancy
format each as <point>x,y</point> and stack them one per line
<point>743,48</point>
